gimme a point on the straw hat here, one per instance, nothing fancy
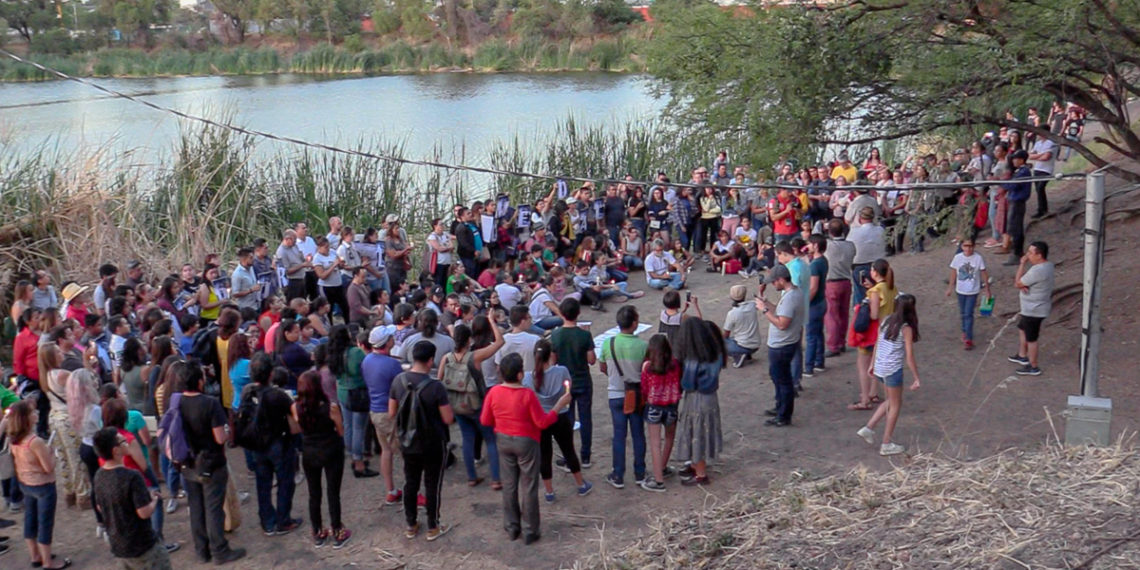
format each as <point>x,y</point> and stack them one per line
<point>72,291</point>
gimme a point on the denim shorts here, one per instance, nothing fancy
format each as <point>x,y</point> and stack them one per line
<point>893,380</point>
<point>661,415</point>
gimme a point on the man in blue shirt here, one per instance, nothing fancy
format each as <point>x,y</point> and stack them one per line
<point>378,370</point>
<point>1016,194</point>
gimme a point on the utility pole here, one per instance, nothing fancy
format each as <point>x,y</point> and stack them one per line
<point>1089,416</point>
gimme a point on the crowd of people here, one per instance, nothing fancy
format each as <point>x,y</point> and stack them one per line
<point>313,353</point>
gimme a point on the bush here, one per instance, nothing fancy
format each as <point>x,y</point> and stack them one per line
<point>613,16</point>
<point>53,41</point>
<point>353,43</point>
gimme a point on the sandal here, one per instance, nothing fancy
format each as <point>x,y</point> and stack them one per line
<point>474,482</point>
<point>496,486</point>
<point>860,406</point>
<point>876,400</point>
<point>40,564</point>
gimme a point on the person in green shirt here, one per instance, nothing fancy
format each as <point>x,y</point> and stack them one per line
<point>345,359</point>
<point>575,349</point>
<point>621,358</point>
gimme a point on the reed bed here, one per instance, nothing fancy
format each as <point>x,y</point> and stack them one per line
<point>1055,507</point>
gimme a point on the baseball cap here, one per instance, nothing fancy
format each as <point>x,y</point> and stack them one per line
<point>959,150</point>
<point>380,335</point>
<point>134,263</point>
<point>780,271</point>
<point>391,218</point>
<point>437,291</point>
<point>843,155</point>
<point>737,292</point>
<point>1020,153</point>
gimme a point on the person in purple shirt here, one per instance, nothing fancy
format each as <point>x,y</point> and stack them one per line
<point>378,370</point>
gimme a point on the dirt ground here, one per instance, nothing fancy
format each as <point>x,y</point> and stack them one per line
<point>970,405</point>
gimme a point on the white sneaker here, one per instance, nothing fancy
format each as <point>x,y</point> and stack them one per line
<point>171,505</point>
<point>299,478</point>
<point>891,449</point>
<point>867,434</point>
<point>100,531</point>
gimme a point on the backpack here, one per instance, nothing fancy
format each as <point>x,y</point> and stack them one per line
<point>172,436</point>
<point>411,428</point>
<point>251,429</point>
<point>862,322</point>
<point>464,384</point>
<point>203,345</point>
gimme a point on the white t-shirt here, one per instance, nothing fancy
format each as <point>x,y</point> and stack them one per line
<point>509,295</point>
<point>655,264</point>
<point>324,262</point>
<point>334,240</point>
<point>538,308</point>
<point>444,241</point>
<point>744,237</point>
<point>308,246</point>
<point>521,343</point>
<point>1043,146</point>
<point>969,270</point>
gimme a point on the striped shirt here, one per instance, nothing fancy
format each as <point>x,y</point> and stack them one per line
<point>889,354</point>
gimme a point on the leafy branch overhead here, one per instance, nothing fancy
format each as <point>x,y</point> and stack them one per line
<point>796,77</point>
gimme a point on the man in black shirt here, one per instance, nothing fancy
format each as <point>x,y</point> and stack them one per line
<point>465,242</point>
<point>279,457</point>
<point>204,423</point>
<point>426,455</point>
<point>614,214</point>
<point>126,505</point>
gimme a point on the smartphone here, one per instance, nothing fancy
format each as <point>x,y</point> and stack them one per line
<point>688,296</point>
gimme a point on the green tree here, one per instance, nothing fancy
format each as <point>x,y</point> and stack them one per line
<point>135,17</point>
<point>237,14</point>
<point>28,17</point>
<point>863,71</point>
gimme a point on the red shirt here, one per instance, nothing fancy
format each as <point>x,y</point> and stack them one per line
<point>128,461</point>
<point>515,412</point>
<point>786,225</point>
<point>487,279</point>
<point>24,354</point>
<point>662,389</point>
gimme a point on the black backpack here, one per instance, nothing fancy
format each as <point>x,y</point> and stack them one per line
<point>411,419</point>
<point>251,428</point>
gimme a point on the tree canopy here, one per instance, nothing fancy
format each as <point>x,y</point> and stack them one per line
<point>861,71</point>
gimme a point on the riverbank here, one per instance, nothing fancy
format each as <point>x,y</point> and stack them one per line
<point>614,54</point>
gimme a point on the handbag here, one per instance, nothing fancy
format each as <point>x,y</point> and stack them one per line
<point>633,401</point>
<point>434,262</point>
<point>862,322</point>
<point>358,400</point>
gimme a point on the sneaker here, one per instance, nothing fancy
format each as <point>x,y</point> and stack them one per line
<point>289,526</point>
<point>561,464</point>
<point>891,449</point>
<point>5,549</point>
<point>738,360</point>
<point>421,501</point>
<point>549,497</point>
<point>639,479</point>
<point>653,485</point>
<point>867,434</point>
<point>668,472</point>
<point>229,556</point>
<point>586,464</point>
<point>613,479</point>
<point>695,481</point>
<point>435,533</point>
<point>1016,359</point>
<point>1028,370</point>
<point>340,538</point>
<point>394,498</point>
<point>687,471</point>
<point>100,531</point>
<point>243,498</point>
<point>171,505</point>
<point>744,274</point>
<point>320,538</point>
<point>181,495</point>
<point>412,531</point>
<point>585,488</point>
<point>299,478</point>
<point>968,345</point>
<point>172,547</point>
<point>808,373</point>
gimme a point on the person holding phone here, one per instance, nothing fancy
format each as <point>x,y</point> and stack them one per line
<point>550,381</point>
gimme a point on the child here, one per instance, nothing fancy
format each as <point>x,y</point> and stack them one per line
<point>661,387</point>
<point>190,326</point>
<point>307,341</point>
<point>602,275</point>
<point>895,347</point>
<point>722,250</point>
<point>968,277</point>
<point>119,330</point>
<point>487,278</point>
<point>671,316</point>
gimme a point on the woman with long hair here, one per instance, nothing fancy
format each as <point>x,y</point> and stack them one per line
<point>657,214</point>
<point>238,354</point>
<point>517,417</point>
<point>732,208</point>
<point>709,222</point>
<point>322,451</point>
<point>881,292</point>
<point>209,301</point>
<point>550,381</point>
<point>897,336</point>
<point>35,469</point>
<point>319,317</point>
<point>131,380</point>
<point>289,352</point>
<point>635,209</point>
<point>469,425</point>
<point>700,350</point>
<point>661,387</point>
<point>22,297</point>
<point>345,359</point>
<point>168,294</point>
<point>76,485</point>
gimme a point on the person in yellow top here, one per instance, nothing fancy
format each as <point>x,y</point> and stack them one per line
<point>709,221</point>
<point>881,300</point>
<point>845,168</point>
<point>208,298</point>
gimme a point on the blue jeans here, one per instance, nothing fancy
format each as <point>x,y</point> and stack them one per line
<point>632,262</point>
<point>355,426</point>
<point>469,426</point>
<point>382,282</point>
<point>172,475</point>
<point>966,305</point>
<point>156,518</point>
<point>622,289</point>
<point>858,291</point>
<point>814,333</point>
<point>676,281</point>
<point>617,275</point>
<point>780,369</point>
<point>798,364</point>
<point>580,408</point>
<point>636,428</point>
<point>734,349</point>
<point>39,512</point>
<point>278,460</point>
<point>546,323</point>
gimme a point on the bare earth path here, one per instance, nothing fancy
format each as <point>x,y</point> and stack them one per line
<point>956,413</point>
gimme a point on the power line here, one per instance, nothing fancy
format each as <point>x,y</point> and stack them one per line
<point>561,179</point>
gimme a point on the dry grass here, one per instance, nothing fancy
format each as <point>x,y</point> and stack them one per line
<point>1051,508</point>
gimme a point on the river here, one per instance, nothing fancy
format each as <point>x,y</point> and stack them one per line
<point>445,110</point>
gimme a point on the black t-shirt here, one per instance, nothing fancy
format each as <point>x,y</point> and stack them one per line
<point>119,493</point>
<point>276,406</point>
<point>432,397</point>
<point>200,415</point>
<point>615,211</point>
